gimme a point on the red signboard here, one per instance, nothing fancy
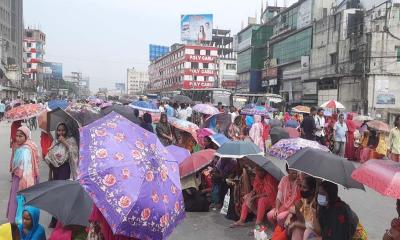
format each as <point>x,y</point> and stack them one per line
<point>197,84</point>
<point>199,72</point>
<point>229,84</point>
<point>272,72</point>
<point>200,58</point>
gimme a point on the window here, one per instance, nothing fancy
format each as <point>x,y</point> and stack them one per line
<point>206,78</point>
<point>197,52</point>
<point>29,34</point>
<point>194,78</point>
<point>29,55</point>
<point>29,44</point>
<point>230,67</point>
<point>334,59</point>
<point>398,53</point>
<point>353,56</point>
<point>208,52</point>
<point>195,65</point>
<point>205,65</point>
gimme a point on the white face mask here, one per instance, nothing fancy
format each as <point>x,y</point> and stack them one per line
<point>322,201</point>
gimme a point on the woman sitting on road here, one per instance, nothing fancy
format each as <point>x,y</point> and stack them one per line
<point>394,232</point>
<point>30,229</point>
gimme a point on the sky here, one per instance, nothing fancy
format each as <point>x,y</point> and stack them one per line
<point>102,38</point>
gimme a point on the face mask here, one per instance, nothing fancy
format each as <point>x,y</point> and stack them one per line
<point>305,194</point>
<point>322,201</point>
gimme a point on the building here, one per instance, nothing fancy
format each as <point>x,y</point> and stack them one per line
<point>156,51</point>
<point>185,67</point>
<point>136,81</point>
<point>78,85</point>
<point>33,45</point>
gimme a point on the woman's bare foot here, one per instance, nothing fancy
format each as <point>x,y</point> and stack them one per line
<point>237,224</point>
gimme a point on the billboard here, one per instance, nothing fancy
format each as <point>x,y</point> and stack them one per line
<point>157,51</point>
<point>196,28</point>
<point>55,69</point>
<point>120,86</point>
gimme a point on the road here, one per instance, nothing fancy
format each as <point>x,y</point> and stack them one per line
<point>375,211</point>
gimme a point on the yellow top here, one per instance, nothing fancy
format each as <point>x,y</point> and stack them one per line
<point>5,232</point>
<point>394,140</point>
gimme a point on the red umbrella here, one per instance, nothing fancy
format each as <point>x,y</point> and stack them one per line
<point>293,132</point>
<point>25,111</point>
<point>381,175</point>
<point>378,125</point>
<point>196,162</point>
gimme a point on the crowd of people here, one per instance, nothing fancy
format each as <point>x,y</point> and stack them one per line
<point>297,206</point>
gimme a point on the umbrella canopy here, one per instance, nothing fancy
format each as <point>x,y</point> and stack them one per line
<point>53,104</point>
<point>146,106</point>
<point>66,200</point>
<point>123,110</point>
<point>324,165</point>
<point>83,113</point>
<point>185,126</point>
<point>223,120</point>
<point>378,125</point>
<point>333,104</point>
<point>286,148</point>
<point>58,116</point>
<point>106,104</point>
<point>292,124</point>
<point>179,153</point>
<point>165,99</point>
<point>219,139</point>
<point>125,171</point>
<point>301,109</point>
<point>25,111</point>
<point>381,175</point>
<point>267,165</point>
<point>206,109</point>
<point>293,133</point>
<point>275,123</point>
<point>277,134</point>
<point>196,162</point>
<point>255,111</point>
<point>182,99</point>
<point>363,118</point>
<point>237,149</point>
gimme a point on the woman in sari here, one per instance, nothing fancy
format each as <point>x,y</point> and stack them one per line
<point>256,133</point>
<point>260,199</point>
<point>24,168</point>
<point>329,137</point>
<point>234,130</point>
<point>30,229</point>
<point>147,122</point>
<point>163,130</point>
<point>351,126</point>
<point>288,195</point>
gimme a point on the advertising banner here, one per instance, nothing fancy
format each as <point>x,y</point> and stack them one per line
<point>55,69</point>
<point>200,72</point>
<point>200,58</point>
<point>384,97</point>
<point>196,28</point>
<point>157,51</point>
<point>197,84</point>
<point>304,14</point>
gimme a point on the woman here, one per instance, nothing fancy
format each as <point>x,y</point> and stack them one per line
<point>234,130</point>
<point>147,122</point>
<point>329,137</point>
<point>163,130</point>
<point>62,157</point>
<point>30,229</point>
<point>394,232</point>
<point>256,133</point>
<point>24,167</point>
<point>288,195</point>
<point>201,36</point>
<point>9,231</point>
<point>349,149</point>
<point>337,220</point>
<point>14,128</point>
<point>303,223</point>
<point>260,199</point>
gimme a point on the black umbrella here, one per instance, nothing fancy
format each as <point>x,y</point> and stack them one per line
<point>267,165</point>
<point>237,149</point>
<point>123,110</point>
<point>65,200</point>
<point>57,116</point>
<point>278,133</point>
<point>325,166</point>
<point>83,113</point>
<point>182,99</point>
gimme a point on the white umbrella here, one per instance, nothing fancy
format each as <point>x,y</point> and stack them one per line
<point>333,104</point>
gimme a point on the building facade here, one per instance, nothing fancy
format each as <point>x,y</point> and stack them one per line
<point>34,43</point>
<point>185,67</point>
<point>136,81</point>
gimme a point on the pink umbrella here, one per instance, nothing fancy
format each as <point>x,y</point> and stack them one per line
<point>196,162</point>
<point>333,104</point>
<point>206,109</point>
<point>381,175</point>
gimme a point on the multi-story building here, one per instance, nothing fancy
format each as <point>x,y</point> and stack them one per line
<point>34,42</point>
<point>185,67</point>
<point>136,81</point>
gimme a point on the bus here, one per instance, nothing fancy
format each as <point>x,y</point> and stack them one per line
<point>212,95</point>
<point>240,99</point>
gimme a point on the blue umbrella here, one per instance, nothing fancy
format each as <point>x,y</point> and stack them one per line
<point>219,139</point>
<point>144,106</point>
<point>237,149</point>
<point>54,104</point>
<point>292,124</point>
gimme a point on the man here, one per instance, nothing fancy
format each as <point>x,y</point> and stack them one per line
<point>2,109</point>
<point>340,134</point>
<point>320,125</point>
<point>308,125</point>
<point>394,141</point>
<point>182,112</point>
<point>233,113</point>
<point>161,107</point>
<point>189,111</point>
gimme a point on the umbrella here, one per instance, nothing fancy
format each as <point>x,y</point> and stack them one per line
<point>25,111</point>
<point>123,110</point>
<point>179,153</point>
<point>293,133</point>
<point>223,120</point>
<point>267,165</point>
<point>204,132</point>
<point>182,99</point>
<point>146,106</point>
<point>378,125</point>
<point>327,113</point>
<point>292,124</point>
<point>185,126</point>
<point>165,99</point>
<point>125,171</point>
<point>206,109</point>
<point>83,113</point>
<point>106,104</point>
<point>255,111</point>
<point>275,123</point>
<point>278,133</point>
<point>363,118</point>
<point>333,104</point>
<point>219,139</point>
<point>53,104</point>
<point>286,148</point>
<point>381,175</point>
<point>196,162</point>
<point>301,109</point>
<point>237,149</point>
<point>66,200</point>
<point>324,165</point>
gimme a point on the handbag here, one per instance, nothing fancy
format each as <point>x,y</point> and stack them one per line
<point>225,206</point>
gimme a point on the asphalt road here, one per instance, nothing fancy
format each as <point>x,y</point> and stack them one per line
<point>375,211</point>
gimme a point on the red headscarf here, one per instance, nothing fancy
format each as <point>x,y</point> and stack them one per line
<point>351,125</point>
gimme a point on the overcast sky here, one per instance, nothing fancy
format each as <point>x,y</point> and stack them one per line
<point>102,38</point>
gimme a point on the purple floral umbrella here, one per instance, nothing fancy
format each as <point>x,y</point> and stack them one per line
<point>285,148</point>
<point>125,171</point>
